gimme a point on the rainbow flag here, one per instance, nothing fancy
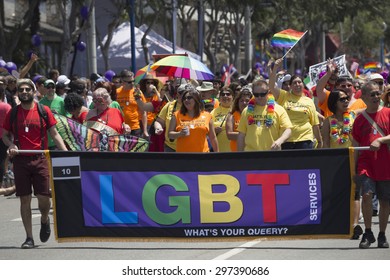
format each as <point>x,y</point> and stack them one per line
<point>286,38</point>
<point>372,67</point>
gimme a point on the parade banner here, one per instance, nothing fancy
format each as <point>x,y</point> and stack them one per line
<point>315,70</point>
<point>179,196</point>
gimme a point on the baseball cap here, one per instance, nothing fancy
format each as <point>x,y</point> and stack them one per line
<point>48,82</point>
<point>63,79</point>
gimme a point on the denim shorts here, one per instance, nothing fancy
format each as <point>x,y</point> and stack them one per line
<point>368,185</point>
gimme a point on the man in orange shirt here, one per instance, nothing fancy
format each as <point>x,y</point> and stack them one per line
<point>343,83</point>
<point>134,117</point>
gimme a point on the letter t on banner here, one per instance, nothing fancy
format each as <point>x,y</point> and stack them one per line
<point>268,182</point>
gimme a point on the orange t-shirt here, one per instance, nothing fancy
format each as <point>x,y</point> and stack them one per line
<point>196,142</point>
<point>324,105</point>
<point>358,104</point>
<point>233,143</point>
<point>129,107</point>
<point>151,115</point>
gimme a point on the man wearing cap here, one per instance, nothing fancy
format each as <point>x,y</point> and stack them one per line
<point>54,102</point>
<point>207,91</point>
<point>31,169</point>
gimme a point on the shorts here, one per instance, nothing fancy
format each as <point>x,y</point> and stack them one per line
<point>298,145</point>
<point>31,173</point>
<point>367,185</point>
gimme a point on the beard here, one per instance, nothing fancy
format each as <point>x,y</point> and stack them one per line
<point>26,99</point>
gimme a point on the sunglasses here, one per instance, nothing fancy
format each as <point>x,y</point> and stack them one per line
<point>188,98</point>
<point>24,89</point>
<point>379,83</point>
<point>375,93</point>
<point>260,94</point>
<point>149,83</point>
<point>49,87</point>
<point>343,99</point>
<point>346,86</point>
<point>129,82</point>
<point>225,94</point>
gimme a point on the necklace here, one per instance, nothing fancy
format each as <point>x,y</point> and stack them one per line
<point>26,125</point>
<point>269,117</point>
<point>100,115</point>
<point>342,137</point>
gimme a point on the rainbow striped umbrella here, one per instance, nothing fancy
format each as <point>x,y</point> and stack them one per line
<point>141,73</point>
<point>180,66</point>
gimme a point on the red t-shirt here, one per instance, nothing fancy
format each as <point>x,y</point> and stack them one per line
<point>29,127</point>
<point>111,117</point>
<point>81,117</point>
<point>4,108</point>
<point>373,164</point>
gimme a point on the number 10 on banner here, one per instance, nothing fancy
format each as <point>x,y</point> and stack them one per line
<point>66,168</point>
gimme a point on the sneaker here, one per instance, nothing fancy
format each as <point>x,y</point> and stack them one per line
<point>382,241</point>
<point>374,213</point>
<point>357,231</point>
<point>28,244</point>
<point>44,234</point>
<point>367,239</point>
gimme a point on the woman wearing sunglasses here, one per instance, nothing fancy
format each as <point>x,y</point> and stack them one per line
<point>219,115</point>
<point>233,118</point>
<point>191,125</point>
<point>336,133</point>
<point>102,117</point>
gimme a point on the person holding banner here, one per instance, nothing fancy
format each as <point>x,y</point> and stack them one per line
<point>192,124</point>
<point>28,131</point>
<point>301,111</point>
<point>264,125</point>
<point>336,133</point>
<point>372,128</point>
<point>103,115</point>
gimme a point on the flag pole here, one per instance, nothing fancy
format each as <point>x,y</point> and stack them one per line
<point>294,45</point>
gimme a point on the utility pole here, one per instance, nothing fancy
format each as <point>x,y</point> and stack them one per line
<point>91,38</point>
<point>200,29</point>
<point>174,25</point>
<point>248,39</point>
<point>132,35</point>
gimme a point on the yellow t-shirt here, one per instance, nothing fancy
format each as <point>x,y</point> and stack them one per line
<point>258,137</point>
<point>219,118</point>
<point>334,144</point>
<point>129,106</point>
<point>196,141</point>
<point>166,114</point>
<point>302,113</point>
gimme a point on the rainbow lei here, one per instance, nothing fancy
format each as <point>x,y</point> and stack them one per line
<point>346,130</point>
<point>269,120</point>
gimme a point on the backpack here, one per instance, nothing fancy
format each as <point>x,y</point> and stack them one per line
<point>43,116</point>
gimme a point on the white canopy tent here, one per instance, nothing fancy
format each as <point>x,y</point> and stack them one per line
<point>119,54</point>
